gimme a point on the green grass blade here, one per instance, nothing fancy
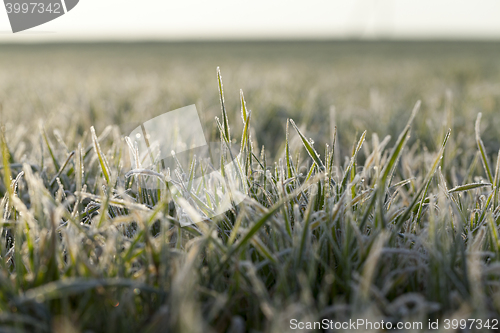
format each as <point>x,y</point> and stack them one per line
<point>482,149</point>
<point>102,159</point>
<point>305,230</point>
<point>61,169</point>
<point>245,135</point>
<point>7,175</point>
<point>496,183</point>
<point>49,147</point>
<point>423,190</point>
<point>398,148</point>
<point>309,148</point>
<point>243,107</point>
<point>223,106</point>
<point>468,187</point>
<point>347,172</point>
<point>256,227</point>
<point>287,152</point>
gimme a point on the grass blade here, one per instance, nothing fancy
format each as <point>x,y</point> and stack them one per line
<point>243,107</point>
<point>223,106</point>
<point>398,148</point>
<point>310,150</point>
<point>353,159</point>
<point>496,183</point>
<point>423,190</point>
<point>102,159</point>
<point>49,147</point>
<point>287,152</point>
<point>468,187</point>
<point>480,145</point>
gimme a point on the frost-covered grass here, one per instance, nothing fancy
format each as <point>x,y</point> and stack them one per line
<point>396,228</point>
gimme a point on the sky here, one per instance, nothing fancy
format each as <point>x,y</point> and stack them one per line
<point>266,19</point>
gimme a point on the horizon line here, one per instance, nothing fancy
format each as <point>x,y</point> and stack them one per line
<point>248,40</point>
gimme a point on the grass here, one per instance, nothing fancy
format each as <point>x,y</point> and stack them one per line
<point>402,229</point>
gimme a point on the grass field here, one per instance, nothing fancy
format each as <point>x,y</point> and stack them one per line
<point>379,201</point>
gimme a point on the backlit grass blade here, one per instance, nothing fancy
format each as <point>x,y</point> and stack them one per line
<point>309,148</point>
<point>243,107</point>
<point>102,159</point>
<point>223,106</point>
<point>245,135</point>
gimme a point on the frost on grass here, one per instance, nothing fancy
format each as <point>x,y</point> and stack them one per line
<point>88,243</point>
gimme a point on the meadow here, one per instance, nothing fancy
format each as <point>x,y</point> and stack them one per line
<point>372,173</point>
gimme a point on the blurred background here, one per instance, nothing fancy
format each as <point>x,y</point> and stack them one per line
<point>276,19</point>
<point>358,65</point>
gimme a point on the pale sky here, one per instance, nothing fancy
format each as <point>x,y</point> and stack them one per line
<point>271,19</point>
